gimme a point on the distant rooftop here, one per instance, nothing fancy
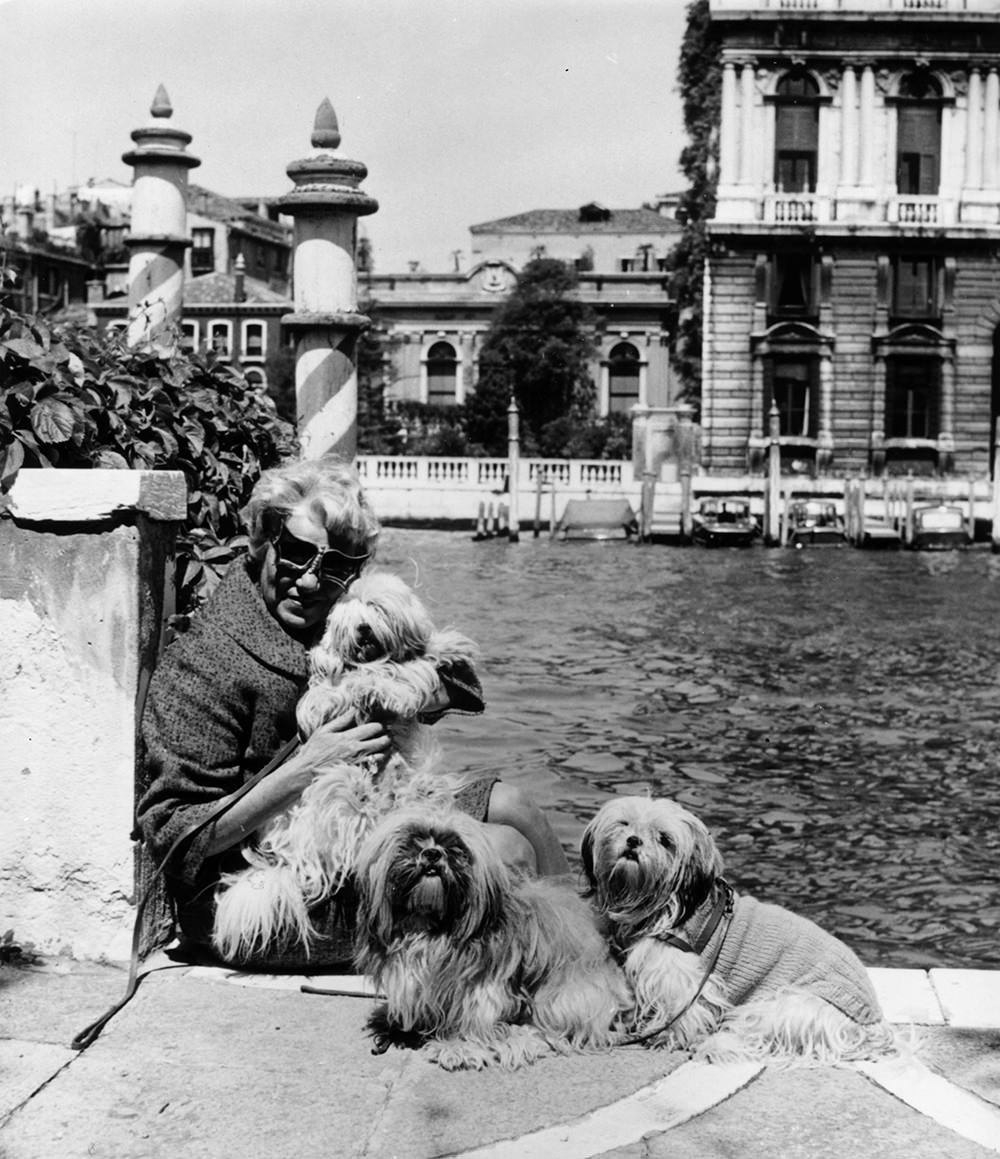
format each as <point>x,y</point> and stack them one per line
<point>591,218</point>
<point>213,289</point>
<point>213,205</point>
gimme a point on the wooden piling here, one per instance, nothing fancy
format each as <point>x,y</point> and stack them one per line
<point>536,526</point>
<point>995,512</point>
<point>908,519</point>
<point>686,521</point>
<point>772,505</point>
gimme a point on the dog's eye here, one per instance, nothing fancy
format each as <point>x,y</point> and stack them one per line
<point>665,841</point>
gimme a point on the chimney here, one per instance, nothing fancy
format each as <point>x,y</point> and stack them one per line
<point>239,279</point>
<point>25,221</point>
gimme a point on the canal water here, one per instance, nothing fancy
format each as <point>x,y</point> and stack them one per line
<point>833,715</point>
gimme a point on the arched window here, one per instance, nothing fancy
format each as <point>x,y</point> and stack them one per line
<point>796,133</point>
<point>918,135</point>
<point>623,378</point>
<point>442,374</point>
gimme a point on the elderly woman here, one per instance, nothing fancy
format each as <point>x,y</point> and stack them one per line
<point>222,703</point>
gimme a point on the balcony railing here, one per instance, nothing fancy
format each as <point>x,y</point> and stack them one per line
<point>857,6</point>
<point>796,208</point>
<point>489,474</point>
<point>915,210</point>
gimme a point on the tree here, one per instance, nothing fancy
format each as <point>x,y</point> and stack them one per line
<point>700,82</point>
<point>539,348</point>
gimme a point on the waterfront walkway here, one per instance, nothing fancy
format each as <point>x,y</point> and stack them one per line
<point>208,1063</point>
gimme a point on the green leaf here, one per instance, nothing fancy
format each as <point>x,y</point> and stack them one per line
<point>24,348</point>
<point>52,420</point>
<point>13,458</point>
<point>111,460</point>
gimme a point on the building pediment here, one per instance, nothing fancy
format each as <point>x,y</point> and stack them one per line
<point>493,277</point>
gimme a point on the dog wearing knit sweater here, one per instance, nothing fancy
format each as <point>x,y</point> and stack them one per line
<point>378,659</point>
<point>724,976</point>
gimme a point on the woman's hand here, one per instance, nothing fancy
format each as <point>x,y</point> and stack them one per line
<point>342,739</point>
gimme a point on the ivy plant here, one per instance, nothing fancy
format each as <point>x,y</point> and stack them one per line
<point>72,398</point>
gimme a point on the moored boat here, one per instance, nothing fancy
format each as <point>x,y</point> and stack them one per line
<point>724,522</point>
<point>814,523</point>
<point>939,527</point>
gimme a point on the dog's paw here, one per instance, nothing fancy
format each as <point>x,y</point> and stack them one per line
<point>455,1054</point>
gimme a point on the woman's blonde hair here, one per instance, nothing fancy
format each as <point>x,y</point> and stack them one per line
<point>333,494</point>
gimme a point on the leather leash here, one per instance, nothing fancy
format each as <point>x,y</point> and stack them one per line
<point>90,1033</point>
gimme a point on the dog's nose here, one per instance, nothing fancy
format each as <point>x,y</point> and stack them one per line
<point>633,842</point>
<point>432,855</point>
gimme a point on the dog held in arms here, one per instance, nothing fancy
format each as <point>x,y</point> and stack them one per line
<point>378,659</point>
<point>479,965</point>
<point>726,976</point>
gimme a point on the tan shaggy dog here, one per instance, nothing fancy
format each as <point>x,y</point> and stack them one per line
<point>724,975</point>
<point>378,659</point>
<point>479,965</point>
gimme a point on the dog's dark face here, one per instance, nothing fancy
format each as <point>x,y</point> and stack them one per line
<point>647,860</point>
<point>421,872</point>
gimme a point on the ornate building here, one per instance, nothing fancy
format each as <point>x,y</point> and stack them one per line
<point>435,322</point>
<point>853,280</point>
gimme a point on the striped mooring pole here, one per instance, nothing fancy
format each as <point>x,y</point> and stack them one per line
<point>326,203</point>
<point>157,234</point>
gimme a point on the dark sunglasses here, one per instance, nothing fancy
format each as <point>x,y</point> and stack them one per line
<point>297,557</point>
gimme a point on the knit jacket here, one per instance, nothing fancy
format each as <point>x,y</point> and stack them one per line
<point>220,705</point>
<point>768,947</point>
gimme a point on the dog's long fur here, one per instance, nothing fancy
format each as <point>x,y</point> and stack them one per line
<point>655,873</point>
<point>479,965</point>
<point>378,660</point>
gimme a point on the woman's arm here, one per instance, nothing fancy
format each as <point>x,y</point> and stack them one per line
<point>337,741</point>
<point>514,809</point>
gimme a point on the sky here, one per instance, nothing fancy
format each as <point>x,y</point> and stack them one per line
<point>463,111</point>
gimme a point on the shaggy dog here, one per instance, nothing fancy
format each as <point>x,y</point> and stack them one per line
<point>378,659</point>
<point>727,976</point>
<point>478,965</point>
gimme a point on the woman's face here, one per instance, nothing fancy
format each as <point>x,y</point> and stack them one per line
<point>298,596</point>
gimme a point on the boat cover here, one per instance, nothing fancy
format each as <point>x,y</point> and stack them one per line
<point>597,519</point>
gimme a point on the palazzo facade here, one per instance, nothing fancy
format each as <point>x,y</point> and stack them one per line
<point>853,282</point>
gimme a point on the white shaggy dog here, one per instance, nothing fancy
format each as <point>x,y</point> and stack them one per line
<point>378,659</point>
<point>478,964</point>
<point>726,976</point>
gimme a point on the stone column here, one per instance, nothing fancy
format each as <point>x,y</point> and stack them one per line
<point>866,175</point>
<point>878,415</point>
<point>974,132</point>
<point>946,437</point>
<point>158,233</point>
<point>849,127</point>
<point>728,136</point>
<point>991,130</point>
<point>326,203</point>
<point>748,145</point>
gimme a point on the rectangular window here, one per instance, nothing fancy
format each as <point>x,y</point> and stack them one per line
<point>915,290</point>
<point>792,389</point>
<point>919,147</point>
<point>796,172</point>
<point>189,336</point>
<point>912,391</point>
<point>792,285</point>
<point>253,340</point>
<point>219,338</point>
<point>202,251</point>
